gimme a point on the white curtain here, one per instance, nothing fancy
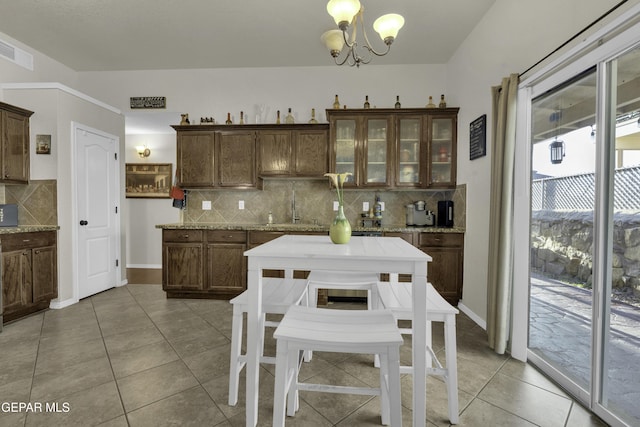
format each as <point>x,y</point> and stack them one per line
<point>501,214</point>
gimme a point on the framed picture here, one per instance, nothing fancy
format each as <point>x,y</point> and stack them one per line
<point>43,144</point>
<point>148,180</point>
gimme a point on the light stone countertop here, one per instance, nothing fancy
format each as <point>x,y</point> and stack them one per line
<point>397,228</point>
<point>28,229</point>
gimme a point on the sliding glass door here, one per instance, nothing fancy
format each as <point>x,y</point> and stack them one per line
<point>584,280</point>
<point>617,373</point>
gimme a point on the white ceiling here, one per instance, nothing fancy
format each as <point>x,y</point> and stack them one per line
<point>106,35</point>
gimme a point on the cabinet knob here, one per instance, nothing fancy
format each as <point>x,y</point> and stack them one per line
<point>37,251</point>
<point>186,236</point>
<point>84,222</point>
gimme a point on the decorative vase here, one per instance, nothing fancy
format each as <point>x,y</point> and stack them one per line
<point>340,229</point>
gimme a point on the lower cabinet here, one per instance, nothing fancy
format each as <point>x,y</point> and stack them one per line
<point>203,264</point>
<point>29,272</point>
<point>445,271</point>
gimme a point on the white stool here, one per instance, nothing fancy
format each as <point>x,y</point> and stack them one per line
<point>397,297</point>
<point>277,296</point>
<point>343,331</point>
<point>352,280</point>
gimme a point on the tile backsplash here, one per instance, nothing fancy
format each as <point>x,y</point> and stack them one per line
<point>314,203</point>
<point>37,201</point>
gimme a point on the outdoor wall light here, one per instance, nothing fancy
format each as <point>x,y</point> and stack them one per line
<point>557,151</point>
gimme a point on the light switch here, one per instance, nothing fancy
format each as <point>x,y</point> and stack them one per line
<point>335,205</point>
<point>206,205</point>
<point>365,206</point>
<point>240,204</point>
<point>382,206</point>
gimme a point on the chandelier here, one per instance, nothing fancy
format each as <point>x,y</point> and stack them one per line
<point>347,12</point>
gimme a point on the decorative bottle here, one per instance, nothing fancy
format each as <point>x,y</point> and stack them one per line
<point>289,119</point>
<point>313,116</point>
<point>442,104</point>
<point>397,101</point>
<point>431,104</point>
<point>278,117</point>
<point>241,117</point>
<point>366,102</point>
<point>228,119</point>
<point>377,209</point>
<point>336,103</point>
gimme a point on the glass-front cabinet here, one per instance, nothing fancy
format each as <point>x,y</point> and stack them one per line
<point>410,164</point>
<point>442,151</point>
<point>363,148</point>
<point>395,148</point>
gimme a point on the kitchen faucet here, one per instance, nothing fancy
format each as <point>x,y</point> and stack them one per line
<point>295,217</point>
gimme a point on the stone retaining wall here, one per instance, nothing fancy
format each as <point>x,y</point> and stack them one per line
<point>562,247</point>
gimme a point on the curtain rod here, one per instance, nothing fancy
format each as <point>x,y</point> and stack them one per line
<point>575,36</point>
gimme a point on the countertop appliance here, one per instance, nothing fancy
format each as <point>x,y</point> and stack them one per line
<point>350,294</point>
<point>445,213</point>
<point>418,215</point>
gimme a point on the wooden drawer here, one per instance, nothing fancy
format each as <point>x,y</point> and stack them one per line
<point>441,239</point>
<point>13,242</point>
<point>406,236</point>
<point>260,237</point>
<point>223,236</point>
<point>182,236</point>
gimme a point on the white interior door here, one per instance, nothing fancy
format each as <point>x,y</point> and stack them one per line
<point>96,178</point>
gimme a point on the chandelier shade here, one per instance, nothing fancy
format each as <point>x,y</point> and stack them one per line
<point>388,26</point>
<point>343,11</point>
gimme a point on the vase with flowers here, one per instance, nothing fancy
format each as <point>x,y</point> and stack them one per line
<point>340,229</point>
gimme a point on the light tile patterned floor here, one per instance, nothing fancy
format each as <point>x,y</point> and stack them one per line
<point>131,357</point>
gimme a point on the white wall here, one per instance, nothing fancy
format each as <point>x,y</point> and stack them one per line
<point>513,35</point>
<point>144,245</point>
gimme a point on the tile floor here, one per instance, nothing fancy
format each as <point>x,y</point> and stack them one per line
<point>130,357</point>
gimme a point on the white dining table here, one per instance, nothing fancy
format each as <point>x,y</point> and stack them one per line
<point>313,252</point>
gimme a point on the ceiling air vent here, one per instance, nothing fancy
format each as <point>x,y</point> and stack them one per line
<point>16,55</point>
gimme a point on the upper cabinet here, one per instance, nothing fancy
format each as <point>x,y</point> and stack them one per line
<point>293,151</point>
<point>14,144</point>
<point>239,156</point>
<point>210,157</point>
<point>394,148</point>
<point>362,145</point>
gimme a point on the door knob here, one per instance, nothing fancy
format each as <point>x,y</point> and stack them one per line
<point>84,222</point>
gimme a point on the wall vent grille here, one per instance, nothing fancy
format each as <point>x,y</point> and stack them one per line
<point>16,55</point>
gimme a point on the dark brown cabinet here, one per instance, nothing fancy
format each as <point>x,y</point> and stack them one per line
<point>29,272</point>
<point>14,144</point>
<point>226,263</point>
<point>297,151</point>
<point>195,159</point>
<point>203,264</point>
<point>395,148</point>
<point>445,271</point>
<point>236,159</point>
<point>207,158</point>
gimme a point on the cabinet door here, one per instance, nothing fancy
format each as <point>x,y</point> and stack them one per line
<point>311,152</point>
<point>227,268</point>
<point>183,267</point>
<point>236,159</point>
<point>410,153</point>
<point>344,135</point>
<point>376,152</point>
<point>442,151</point>
<point>16,280</point>
<point>274,152</point>
<point>15,147</point>
<point>445,272</point>
<point>45,283</point>
<point>195,159</point>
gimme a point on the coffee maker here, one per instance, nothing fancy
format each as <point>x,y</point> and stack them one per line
<point>418,215</point>
<point>445,213</point>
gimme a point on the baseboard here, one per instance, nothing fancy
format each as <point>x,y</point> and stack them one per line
<point>479,321</point>
<point>57,304</point>
<point>144,276</point>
